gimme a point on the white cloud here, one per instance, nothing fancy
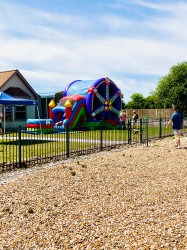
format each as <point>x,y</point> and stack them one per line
<point>52,50</point>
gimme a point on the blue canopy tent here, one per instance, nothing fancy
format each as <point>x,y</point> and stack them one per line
<point>7,100</point>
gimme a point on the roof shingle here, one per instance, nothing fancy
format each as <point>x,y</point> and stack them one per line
<point>5,76</point>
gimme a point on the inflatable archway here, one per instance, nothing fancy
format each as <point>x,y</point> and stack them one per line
<point>102,97</point>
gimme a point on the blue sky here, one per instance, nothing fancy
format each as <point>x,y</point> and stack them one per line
<point>133,42</point>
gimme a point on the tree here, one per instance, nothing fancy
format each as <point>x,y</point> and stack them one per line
<point>151,102</point>
<point>124,105</point>
<point>137,101</point>
<point>172,88</point>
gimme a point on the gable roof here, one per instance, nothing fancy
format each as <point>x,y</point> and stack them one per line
<point>5,76</point>
<point>17,92</point>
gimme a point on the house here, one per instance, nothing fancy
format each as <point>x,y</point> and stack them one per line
<point>13,83</point>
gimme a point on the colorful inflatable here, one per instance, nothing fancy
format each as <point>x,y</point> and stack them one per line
<point>40,125</point>
<point>103,98</point>
<point>88,101</point>
<point>70,110</point>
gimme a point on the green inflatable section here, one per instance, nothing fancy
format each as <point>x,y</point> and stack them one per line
<point>81,113</point>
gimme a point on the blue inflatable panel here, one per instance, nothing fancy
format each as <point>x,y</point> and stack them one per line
<point>58,109</point>
<point>40,121</point>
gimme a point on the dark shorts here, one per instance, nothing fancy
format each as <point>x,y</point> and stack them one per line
<point>0,125</point>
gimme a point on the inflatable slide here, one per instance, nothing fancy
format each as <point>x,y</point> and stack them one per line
<point>70,110</point>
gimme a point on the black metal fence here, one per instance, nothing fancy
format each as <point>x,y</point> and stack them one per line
<point>22,148</point>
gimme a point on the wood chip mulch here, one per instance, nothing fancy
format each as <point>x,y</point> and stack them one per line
<point>130,198</point>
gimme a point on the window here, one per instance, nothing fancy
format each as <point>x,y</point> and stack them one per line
<point>20,113</point>
<point>8,116</point>
<point>8,113</point>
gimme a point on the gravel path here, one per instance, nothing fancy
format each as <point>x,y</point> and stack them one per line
<point>130,198</point>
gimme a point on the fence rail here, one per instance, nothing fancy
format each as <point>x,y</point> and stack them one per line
<point>21,148</point>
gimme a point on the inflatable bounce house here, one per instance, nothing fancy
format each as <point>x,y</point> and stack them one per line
<point>88,101</point>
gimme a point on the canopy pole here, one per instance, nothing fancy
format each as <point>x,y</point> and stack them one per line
<point>39,118</point>
<point>4,114</point>
<point>46,108</point>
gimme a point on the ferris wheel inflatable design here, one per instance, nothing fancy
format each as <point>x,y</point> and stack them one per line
<point>103,98</point>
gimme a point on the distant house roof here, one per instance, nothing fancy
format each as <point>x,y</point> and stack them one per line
<point>47,95</point>
<point>5,76</point>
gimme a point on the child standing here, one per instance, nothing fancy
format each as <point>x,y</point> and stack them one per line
<point>123,118</point>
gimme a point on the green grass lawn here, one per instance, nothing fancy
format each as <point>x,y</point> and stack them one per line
<point>46,145</point>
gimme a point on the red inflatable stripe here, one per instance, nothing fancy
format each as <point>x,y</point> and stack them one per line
<point>40,126</point>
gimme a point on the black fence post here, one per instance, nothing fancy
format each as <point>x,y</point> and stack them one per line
<point>147,132</point>
<point>67,141</point>
<point>141,130</point>
<point>160,128</point>
<point>129,132</point>
<point>19,145</point>
<point>101,136</point>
